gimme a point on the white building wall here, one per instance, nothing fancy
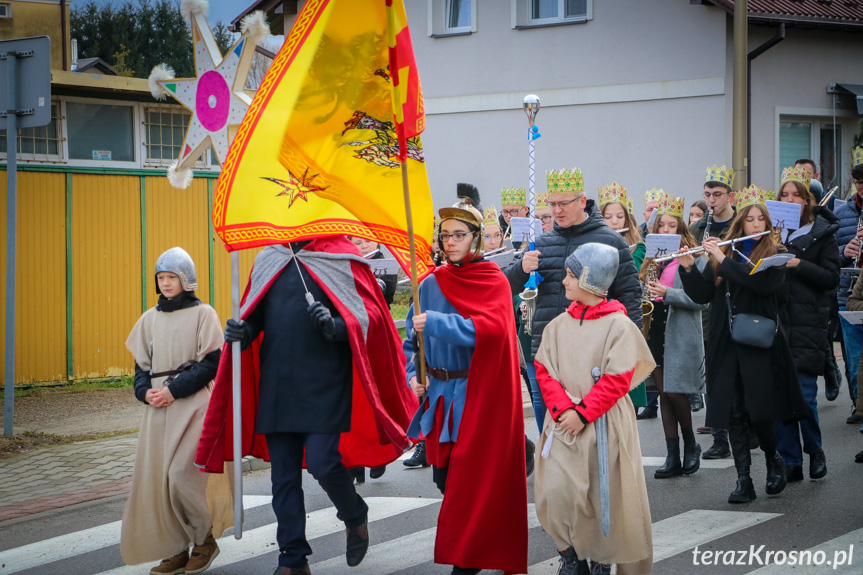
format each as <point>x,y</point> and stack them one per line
<point>634,95</point>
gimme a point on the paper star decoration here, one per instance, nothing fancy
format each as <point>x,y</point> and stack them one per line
<point>215,97</point>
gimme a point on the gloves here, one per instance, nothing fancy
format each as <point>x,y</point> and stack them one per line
<point>382,285</point>
<point>323,319</point>
<point>236,331</point>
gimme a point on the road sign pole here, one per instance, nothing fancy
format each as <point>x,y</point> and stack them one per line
<point>11,237</point>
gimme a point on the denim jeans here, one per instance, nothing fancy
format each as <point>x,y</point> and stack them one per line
<point>536,396</point>
<point>853,336</point>
<point>789,433</point>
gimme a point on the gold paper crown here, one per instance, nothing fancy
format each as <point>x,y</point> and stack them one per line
<point>769,195</point>
<point>749,196</point>
<point>671,207</point>
<point>629,205</point>
<point>565,181</point>
<point>613,193</point>
<point>722,175</point>
<point>858,155</point>
<point>541,201</point>
<point>490,217</point>
<point>513,197</point>
<point>792,174</point>
<point>655,194</point>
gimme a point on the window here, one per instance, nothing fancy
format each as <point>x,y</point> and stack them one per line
<point>815,139</point>
<point>164,130</point>
<point>451,17</point>
<point>40,143</point>
<point>5,10</point>
<point>100,132</point>
<point>527,13</point>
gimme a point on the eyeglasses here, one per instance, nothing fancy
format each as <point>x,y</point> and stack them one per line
<point>545,219</point>
<point>717,195</point>
<point>458,236</point>
<point>492,236</point>
<point>512,212</point>
<point>555,205</point>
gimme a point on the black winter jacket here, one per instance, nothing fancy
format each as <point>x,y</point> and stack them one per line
<point>810,286</point>
<point>555,247</point>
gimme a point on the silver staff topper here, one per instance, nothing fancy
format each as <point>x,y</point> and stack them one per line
<point>531,107</point>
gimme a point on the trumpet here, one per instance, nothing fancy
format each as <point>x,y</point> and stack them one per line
<point>700,249</point>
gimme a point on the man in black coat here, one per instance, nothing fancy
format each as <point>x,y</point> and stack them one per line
<point>576,222</point>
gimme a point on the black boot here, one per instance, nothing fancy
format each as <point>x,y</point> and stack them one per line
<point>719,450</point>
<point>418,459</point>
<point>776,479</point>
<point>358,474</point>
<point>745,491</point>
<point>377,472</point>
<point>357,543</point>
<point>672,465</point>
<point>529,450</point>
<point>570,564</point>
<point>648,412</point>
<point>599,568</point>
<point>463,571</point>
<point>832,377</point>
<point>691,456</point>
<point>817,465</point>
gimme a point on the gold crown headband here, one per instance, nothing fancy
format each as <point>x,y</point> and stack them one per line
<point>613,193</point>
<point>722,175</point>
<point>565,181</point>
<point>513,197</point>
<point>792,174</point>
<point>671,207</point>
<point>749,196</point>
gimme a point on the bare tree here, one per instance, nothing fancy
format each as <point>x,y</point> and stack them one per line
<point>260,63</point>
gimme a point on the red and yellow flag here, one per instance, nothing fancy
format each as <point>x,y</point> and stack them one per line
<point>319,151</point>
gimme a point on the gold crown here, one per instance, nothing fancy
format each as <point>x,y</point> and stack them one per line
<point>655,194</point>
<point>722,175</point>
<point>613,193</point>
<point>629,205</point>
<point>490,217</point>
<point>858,155</point>
<point>669,206</point>
<point>513,197</point>
<point>565,181</point>
<point>541,201</point>
<point>792,174</point>
<point>748,196</point>
<point>769,195</point>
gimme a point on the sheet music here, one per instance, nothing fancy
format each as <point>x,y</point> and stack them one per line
<point>658,245</point>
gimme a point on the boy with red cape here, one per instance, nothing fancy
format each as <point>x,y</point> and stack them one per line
<point>322,386</point>
<point>471,418</point>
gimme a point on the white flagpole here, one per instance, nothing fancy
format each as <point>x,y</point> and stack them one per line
<point>237,399</point>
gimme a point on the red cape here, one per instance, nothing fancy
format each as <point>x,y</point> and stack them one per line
<point>483,518</point>
<point>382,402</point>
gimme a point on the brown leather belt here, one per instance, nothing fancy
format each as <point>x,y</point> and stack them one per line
<point>183,367</point>
<point>446,375</point>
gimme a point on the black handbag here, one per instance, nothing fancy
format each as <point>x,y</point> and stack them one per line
<point>749,328</point>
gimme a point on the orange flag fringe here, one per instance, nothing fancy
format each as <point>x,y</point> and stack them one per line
<point>319,151</point>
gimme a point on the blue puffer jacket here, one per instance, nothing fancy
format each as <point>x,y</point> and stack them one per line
<point>555,246</point>
<point>848,215</point>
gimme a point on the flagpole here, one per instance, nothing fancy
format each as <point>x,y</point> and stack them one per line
<point>415,286</point>
<point>237,398</point>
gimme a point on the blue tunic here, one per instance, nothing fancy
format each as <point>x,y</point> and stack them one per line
<point>449,342</point>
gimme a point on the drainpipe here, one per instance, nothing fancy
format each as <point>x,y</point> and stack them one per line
<point>739,118</point>
<point>63,33</point>
<point>780,35</point>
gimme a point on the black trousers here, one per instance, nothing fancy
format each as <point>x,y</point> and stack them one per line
<point>738,432</point>
<point>324,463</point>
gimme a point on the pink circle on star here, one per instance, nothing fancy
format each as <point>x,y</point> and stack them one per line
<point>212,101</point>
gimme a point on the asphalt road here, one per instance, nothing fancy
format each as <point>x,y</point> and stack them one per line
<point>823,517</point>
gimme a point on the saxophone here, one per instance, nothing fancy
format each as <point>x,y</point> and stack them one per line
<point>646,302</point>
<point>527,307</point>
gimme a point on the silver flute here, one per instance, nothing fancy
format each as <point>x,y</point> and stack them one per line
<point>700,249</point>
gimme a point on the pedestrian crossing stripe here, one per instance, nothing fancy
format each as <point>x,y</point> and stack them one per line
<point>258,542</point>
<point>80,542</point>
<point>705,463</point>
<point>846,543</point>
<point>683,532</point>
<point>391,555</point>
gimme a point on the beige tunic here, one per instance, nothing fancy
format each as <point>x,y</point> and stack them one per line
<point>172,503</point>
<point>567,482</point>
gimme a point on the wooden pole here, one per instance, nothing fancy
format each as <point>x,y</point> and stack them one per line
<point>415,286</point>
<point>236,353</point>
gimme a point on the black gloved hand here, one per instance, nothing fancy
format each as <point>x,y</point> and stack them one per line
<point>322,318</point>
<point>236,331</point>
